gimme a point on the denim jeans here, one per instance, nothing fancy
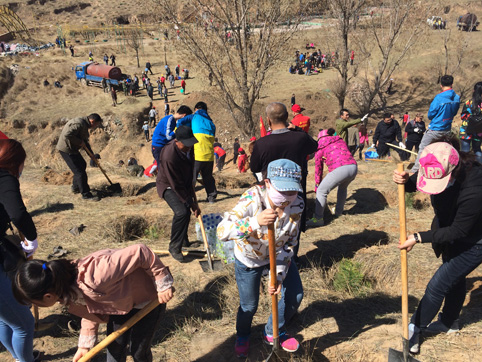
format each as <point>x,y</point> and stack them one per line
<point>180,221</point>
<point>448,283</point>
<point>16,323</point>
<point>340,177</point>
<point>427,139</point>
<point>248,281</point>
<point>465,147</point>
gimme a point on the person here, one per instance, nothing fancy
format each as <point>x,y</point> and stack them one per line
<point>46,83</point>
<point>113,94</point>
<point>171,80</point>
<point>204,129</point>
<point>164,131</point>
<point>151,170</point>
<point>388,130</point>
<point>293,99</point>
<point>167,108</point>
<point>342,168</point>
<point>71,48</point>
<point>74,136</point>
<point>108,286</point>
<point>221,156</point>
<point>152,116</point>
<point>112,60</point>
<point>441,113</point>
<point>242,161</point>
<point>406,118</point>
<point>103,83</point>
<point>352,57</point>
<point>343,123</point>
<point>183,86</point>
<point>106,59</point>
<point>236,147</point>
<point>299,120</point>
<point>353,139</point>
<point>92,163</point>
<point>471,107</point>
<point>150,91</point>
<point>275,201</point>
<point>292,144</point>
<point>16,320</point>
<point>414,129</point>
<point>149,67</point>
<point>363,137</point>
<point>453,180</point>
<point>177,70</point>
<point>175,185</point>
<point>145,128</point>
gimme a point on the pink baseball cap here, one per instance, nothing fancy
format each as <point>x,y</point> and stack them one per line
<point>437,162</point>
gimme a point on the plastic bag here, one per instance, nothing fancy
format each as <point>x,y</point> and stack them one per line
<point>221,249</point>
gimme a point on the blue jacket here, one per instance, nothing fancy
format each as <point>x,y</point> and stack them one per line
<point>164,131</point>
<point>442,110</point>
<point>204,130</point>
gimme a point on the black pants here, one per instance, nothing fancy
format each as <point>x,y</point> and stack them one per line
<point>235,159</point>
<point>138,338</point>
<point>146,133</point>
<point>410,145</point>
<point>352,149</point>
<point>383,149</point>
<point>180,221</point>
<point>206,170</point>
<point>77,165</point>
<point>220,163</point>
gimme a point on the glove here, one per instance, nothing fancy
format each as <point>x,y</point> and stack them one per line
<point>401,145</point>
<point>416,130</point>
<point>365,117</point>
<point>29,247</point>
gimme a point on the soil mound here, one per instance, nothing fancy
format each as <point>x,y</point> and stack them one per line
<point>55,178</point>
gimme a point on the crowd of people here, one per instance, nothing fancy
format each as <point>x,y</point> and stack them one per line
<point>109,286</point>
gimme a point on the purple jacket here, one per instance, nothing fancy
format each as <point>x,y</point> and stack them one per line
<point>333,151</point>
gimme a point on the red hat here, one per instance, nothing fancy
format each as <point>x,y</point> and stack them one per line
<point>252,139</point>
<point>296,108</point>
<point>240,149</point>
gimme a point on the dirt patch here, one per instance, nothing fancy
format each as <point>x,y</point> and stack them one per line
<point>55,178</point>
<point>125,228</point>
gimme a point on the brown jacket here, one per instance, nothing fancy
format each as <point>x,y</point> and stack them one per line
<point>73,134</point>
<point>176,172</point>
<point>113,282</point>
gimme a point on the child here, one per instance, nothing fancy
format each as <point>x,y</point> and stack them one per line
<point>242,161</point>
<point>151,171</point>
<point>145,128</point>
<point>276,201</point>
<point>221,157</point>
<point>108,286</point>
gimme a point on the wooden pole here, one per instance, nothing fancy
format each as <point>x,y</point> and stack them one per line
<point>274,284</point>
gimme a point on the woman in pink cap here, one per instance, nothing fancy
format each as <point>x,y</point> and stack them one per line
<point>454,181</point>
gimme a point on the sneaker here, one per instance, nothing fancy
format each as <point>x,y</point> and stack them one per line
<point>413,338</point>
<point>241,347</point>
<point>439,327</point>
<point>314,222</point>
<point>288,343</point>
<point>89,196</point>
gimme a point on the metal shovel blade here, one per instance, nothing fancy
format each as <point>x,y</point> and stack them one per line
<point>404,356</point>
<point>217,265</point>
<point>115,188</point>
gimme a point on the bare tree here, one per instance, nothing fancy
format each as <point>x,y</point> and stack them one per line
<point>134,41</point>
<point>386,41</point>
<point>237,42</point>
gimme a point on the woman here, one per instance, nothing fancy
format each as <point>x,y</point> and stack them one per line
<point>16,320</point>
<point>342,168</point>
<point>454,182</point>
<point>415,130</point>
<point>471,107</point>
<point>275,201</point>
<point>108,286</point>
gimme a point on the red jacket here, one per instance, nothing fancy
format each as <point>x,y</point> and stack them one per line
<point>302,121</point>
<point>219,151</point>
<point>242,163</point>
<point>183,83</point>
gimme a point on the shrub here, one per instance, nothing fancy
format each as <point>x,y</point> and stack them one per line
<point>349,278</point>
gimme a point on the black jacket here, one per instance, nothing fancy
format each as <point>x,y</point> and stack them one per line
<point>412,136</point>
<point>387,132</point>
<point>458,210</point>
<point>12,207</point>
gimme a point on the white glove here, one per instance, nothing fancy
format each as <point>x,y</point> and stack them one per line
<point>416,130</point>
<point>364,117</point>
<point>401,145</point>
<point>29,247</point>
<point>372,146</point>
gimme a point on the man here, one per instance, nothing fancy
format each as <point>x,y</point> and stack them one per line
<point>204,129</point>
<point>164,132</point>
<point>293,100</point>
<point>441,113</point>
<point>150,92</point>
<point>152,116</point>
<point>292,144</point>
<point>387,131</point>
<point>343,123</point>
<point>148,67</point>
<point>299,120</point>
<point>74,136</point>
<point>236,147</point>
<point>112,60</point>
<point>174,184</point>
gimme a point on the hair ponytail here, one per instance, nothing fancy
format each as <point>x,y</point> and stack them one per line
<point>35,278</point>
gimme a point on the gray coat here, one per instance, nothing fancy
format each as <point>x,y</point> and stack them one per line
<point>73,134</point>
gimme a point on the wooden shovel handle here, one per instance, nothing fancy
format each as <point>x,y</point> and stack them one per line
<point>124,328</point>
<point>274,284</point>
<point>403,253</point>
<point>97,163</point>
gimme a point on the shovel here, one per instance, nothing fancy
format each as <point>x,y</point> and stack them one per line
<point>123,328</point>
<point>274,297</point>
<point>394,355</point>
<point>115,188</point>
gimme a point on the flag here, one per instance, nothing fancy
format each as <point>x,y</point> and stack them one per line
<point>262,129</point>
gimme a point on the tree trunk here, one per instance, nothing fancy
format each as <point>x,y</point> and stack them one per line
<point>137,56</point>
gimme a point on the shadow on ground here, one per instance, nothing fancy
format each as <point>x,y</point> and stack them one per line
<point>57,207</point>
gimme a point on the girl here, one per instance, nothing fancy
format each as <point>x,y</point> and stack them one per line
<point>275,201</point>
<point>16,321</point>
<point>362,133</point>
<point>242,161</point>
<point>108,286</point>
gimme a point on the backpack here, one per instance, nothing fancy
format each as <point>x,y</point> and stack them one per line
<point>474,122</point>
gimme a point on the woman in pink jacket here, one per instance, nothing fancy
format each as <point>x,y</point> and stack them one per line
<point>342,167</point>
<point>108,286</point>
